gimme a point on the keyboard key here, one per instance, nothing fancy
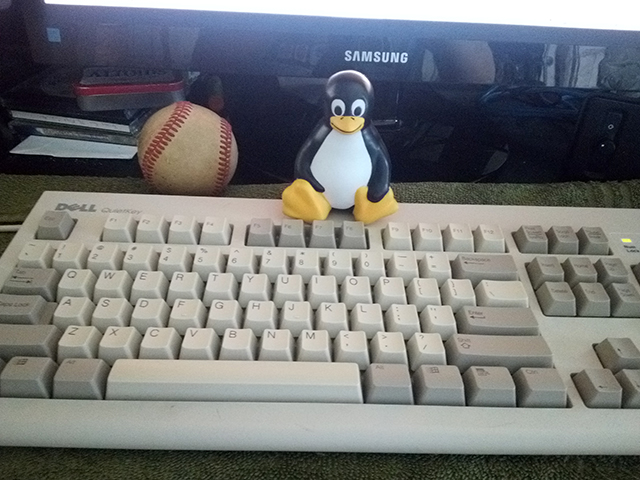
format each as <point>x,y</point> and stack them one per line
<point>75,311</point>
<point>81,378</point>
<point>388,347</point>
<point>261,233</point>
<point>352,347</point>
<point>194,380</point>
<point>111,312</point>
<point>611,270</point>
<point>457,294</point>
<point>513,352</point>
<point>306,263</point>
<point>36,255</point>
<point>338,264</point>
<point>220,286</point>
<point>492,293</point>
<point>438,385</point>
<point>28,341</point>
<point>260,316</point>
<point>150,312</point>
<point>76,283</point>
<point>397,236</point>
<point>200,344</point>
<point>422,292</point>
<point>625,300</point>
<point>368,318</point>
<point>112,283</point>
<point>292,233</point>
<point>174,259</point>
<point>105,256</point>
<point>388,291</point>
<point>489,238</point>
<point>208,260</point>
<point>438,319</point>
<point>355,290</point>
<point>617,354</point>
<point>322,234</point>
<point>489,387</point>
<point>22,309</point>
<point>288,288</point>
<point>322,289</point>
<point>33,281</point>
<point>139,257</point>
<point>436,266</point>
<point>274,262</point>
<point>55,225</point>
<point>427,237</point>
<point>184,229</point>
<point>484,267</point>
<point>402,319</point>
<point>540,388</point>
<point>371,265</point>
<point>332,317</point>
<point>314,346</point>
<point>238,344</point>
<point>79,342</point>
<point>403,265</point>
<point>457,237</point>
<point>152,229</point>
<point>119,227</point>
<point>545,269</point>
<point>224,314</point>
<point>70,255</point>
<point>562,240</point>
<point>591,300</point>
<point>556,299</point>
<point>531,239</point>
<point>119,342</point>
<point>254,287</point>
<point>388,384</point>
<point>598,388</point>
<point>579,270</point>
<point>496,321</point>
<point>215,231</point>
<point>187,313</point>
<point>629,380</point>
<point>296,317</point>
<point>27,377</point>
<point>160,343</point>
<point>593,241</point>
<point>352,235</point>
<point>276,345</point>
<point>425,349</point>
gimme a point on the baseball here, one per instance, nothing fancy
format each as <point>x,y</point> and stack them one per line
<point>186,149</point>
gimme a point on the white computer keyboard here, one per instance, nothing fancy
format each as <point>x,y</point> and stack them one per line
<point>131,321</point>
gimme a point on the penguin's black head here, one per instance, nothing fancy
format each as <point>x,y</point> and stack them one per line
<point>349,101</point>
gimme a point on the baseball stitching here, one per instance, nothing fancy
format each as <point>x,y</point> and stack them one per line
<point>224,155</point>
<point>163,138</point>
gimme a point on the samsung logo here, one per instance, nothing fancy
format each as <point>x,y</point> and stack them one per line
<point>375,57</point>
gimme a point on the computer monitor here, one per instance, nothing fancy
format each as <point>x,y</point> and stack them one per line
<point>496,49</point>
<point>396,40</point>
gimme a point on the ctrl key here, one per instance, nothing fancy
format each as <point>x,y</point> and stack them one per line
<point>27,377</point>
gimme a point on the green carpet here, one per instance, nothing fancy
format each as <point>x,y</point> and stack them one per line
<point>19,193</point>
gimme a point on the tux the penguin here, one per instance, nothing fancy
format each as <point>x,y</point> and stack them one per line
<point>344,162</point>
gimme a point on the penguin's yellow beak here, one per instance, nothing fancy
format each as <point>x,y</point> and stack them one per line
<point>347,125</point>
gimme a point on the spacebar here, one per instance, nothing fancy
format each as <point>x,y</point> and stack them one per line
<point>234,381</point>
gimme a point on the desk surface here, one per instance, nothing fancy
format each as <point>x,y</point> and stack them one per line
<point>19,193</point>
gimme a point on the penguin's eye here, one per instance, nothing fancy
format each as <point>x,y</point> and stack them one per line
<point>358,108</point>
<point>337,107</point>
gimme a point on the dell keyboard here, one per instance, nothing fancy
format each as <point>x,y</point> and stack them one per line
<point>157,322</point>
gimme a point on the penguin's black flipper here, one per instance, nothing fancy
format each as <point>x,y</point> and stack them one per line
<point>381,163</point>
<point>302,167</point>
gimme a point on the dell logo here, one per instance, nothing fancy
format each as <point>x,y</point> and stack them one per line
<point>367,56</point>
<point>75,207</point>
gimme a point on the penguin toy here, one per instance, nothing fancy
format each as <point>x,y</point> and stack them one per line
<point>344,162</point>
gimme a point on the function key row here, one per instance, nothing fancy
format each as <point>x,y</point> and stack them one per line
<point>562,240</point>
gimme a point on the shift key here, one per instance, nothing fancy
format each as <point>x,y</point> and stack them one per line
<point>511,351</point>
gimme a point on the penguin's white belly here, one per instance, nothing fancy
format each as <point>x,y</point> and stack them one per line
<point>342,165</point>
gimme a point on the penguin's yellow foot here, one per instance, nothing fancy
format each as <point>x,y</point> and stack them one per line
<point>368,212</point>
<point>301,200</point>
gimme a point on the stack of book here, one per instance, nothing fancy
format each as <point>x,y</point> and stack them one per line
<point>46,106</point>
